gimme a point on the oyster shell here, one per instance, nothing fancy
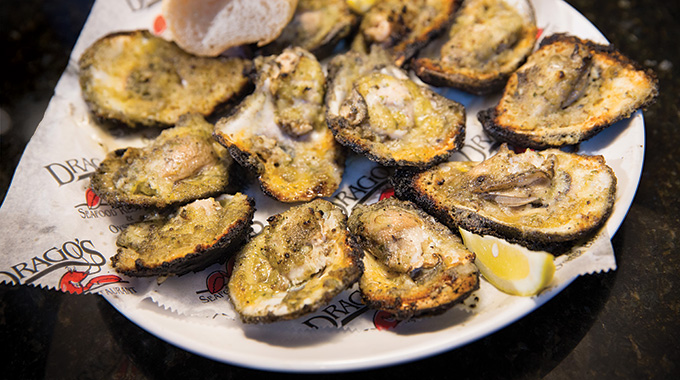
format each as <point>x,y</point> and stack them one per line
<point>298,263</point>
<point>317,26</point>
<point>374,108</point>
<point>402,27</point>
<point>182,164</point>
<point>138,79</point>
<point>488,41</point>
<point>543,200</point>
<point>413,265</point>
<point>279,131</point>
<point>568,91</point>
<point>190,238</point>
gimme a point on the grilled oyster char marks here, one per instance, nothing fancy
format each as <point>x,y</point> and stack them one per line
<point>377,111</point>
<point>138,79</point>
<point>413,265</point>
<point>543,200</point>
<point>316,27</point>
<point>487,42</point>
<point>299,262</point>
<point>182,164</point>
<point>279,131</point>
<point>191,238</point>
<point>568,91</point>
<point>402,27</point>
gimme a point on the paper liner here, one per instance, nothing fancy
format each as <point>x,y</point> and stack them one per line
<point>57,234</point>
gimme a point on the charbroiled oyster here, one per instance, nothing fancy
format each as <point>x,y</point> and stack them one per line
<point>191,238</point>
<point>182,164</point>
<point>374,108</point>
<point>298,263</point>
<point>413,265</point>
<point>487,42</point>
<point>138,79</point>
<point>316,27</point>
<point>402,27</point>
<point>568,91</point>
<point>279,131</point>
<point>543,200</point>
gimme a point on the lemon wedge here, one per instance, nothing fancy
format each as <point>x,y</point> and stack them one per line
<point>509,267</point>
<point>360,6</point>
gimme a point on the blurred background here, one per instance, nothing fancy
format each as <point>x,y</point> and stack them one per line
<point>37,38</point>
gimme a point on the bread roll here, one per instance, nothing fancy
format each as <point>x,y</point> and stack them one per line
<point>209,27</point>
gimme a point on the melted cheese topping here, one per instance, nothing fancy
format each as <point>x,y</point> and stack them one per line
<point>483,35</point>
<point>293,164</point>
<point>412,264</point>
<point>567,91</point>
<point>581,193</point>
<point>401,26</point>
<point>301,260</point>
<point>140,79</point>
<point>182,164</point>
<point>404,121</point>
<point>193,228</point>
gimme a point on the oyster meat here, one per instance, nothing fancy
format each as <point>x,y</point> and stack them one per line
<point>568,91</point>
<point>374,108</point>
<point>298,263</point>
<point>317,26</point>
<point>182,164</point>
<point>544,200</point>
<point>188,239</point>
<point>402,27</point>
<point>279,131</point>
<point>413,265</point>
<point>487,42</point>
<point>138,79</point>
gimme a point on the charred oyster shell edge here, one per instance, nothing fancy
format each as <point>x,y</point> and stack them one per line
<point>202,255</point>
<point>336,277</point>
<point>543,137</point>
<point>124,118</point>
<point>411,185</point>
<point>436,288</point>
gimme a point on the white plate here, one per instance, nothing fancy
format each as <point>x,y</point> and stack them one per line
<point>269,348</point>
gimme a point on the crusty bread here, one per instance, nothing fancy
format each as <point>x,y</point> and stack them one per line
<point>209,27</point>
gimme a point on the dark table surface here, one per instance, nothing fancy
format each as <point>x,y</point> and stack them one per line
<point>623,324</point>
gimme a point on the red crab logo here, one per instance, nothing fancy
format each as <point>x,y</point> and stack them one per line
<point>383,320</point>
<point>72,281</point>
<point>159,25</point>
<point>387,193</point>
<point>216,281</point>
<point>92,198</point>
